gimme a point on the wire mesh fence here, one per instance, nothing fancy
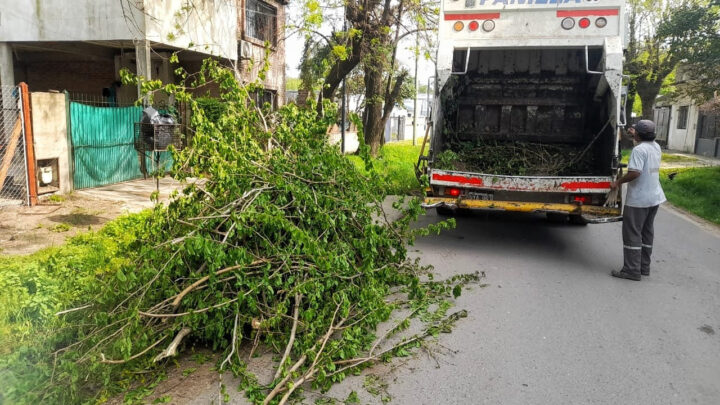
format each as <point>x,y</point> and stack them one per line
<point>13,168</point>
<point>97,100</point>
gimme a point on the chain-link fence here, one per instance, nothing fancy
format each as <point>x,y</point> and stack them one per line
<point>13,168</point>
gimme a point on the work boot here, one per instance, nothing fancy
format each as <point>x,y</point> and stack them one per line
<point>645,273</point>
<point>626,275</point>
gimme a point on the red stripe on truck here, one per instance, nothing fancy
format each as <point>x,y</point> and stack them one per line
<point>483,16</point>
<point>473,181</point>
<point>585,185</point>
<point>587,13</point>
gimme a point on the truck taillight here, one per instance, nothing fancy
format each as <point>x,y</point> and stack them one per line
<point>601,22</point>
<point>568,23</point>
<point>584,23</point>
<point>458,26</point>
<point>583,199</point>
<point>474,26</point>
<point>453,192</point>
<point>488,25</point>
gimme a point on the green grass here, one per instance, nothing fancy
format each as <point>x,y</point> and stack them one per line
<point>696,190</point>
<point>666,158</point>
<point>57,198</point>
<point>396,163</point>
<point>34,287</point>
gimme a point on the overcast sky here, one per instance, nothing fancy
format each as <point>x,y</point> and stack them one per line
<point>294,45</point>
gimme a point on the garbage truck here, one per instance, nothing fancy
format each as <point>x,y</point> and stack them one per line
<point>528,108</point>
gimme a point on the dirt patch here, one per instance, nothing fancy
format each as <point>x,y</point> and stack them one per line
<point>707,329</point>
<point>24,230</point>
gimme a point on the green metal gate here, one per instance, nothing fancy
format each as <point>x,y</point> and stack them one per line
<point>103,147</point>
<point>102,140</point>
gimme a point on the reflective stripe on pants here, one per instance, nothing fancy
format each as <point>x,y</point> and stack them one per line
<point>638,235</point>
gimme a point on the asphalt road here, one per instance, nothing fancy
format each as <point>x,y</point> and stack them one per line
<point>554,328</point>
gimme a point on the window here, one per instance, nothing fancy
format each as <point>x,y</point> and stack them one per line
<point>682,117</point>
<point>262,97</point>
<point>261,21</point>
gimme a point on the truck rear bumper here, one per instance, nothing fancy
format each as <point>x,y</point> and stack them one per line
<point>581,185</point>
<point>591,213</point>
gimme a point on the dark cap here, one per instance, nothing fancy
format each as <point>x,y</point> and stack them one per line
<point>645,127</point>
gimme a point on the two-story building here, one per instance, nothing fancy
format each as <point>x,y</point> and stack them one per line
<point>81,46</point>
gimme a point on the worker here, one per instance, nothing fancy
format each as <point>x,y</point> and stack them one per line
<point>644,196</point>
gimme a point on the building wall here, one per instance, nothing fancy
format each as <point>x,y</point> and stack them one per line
<point>210,25</point>
<point>60,20</point>
<point>252,62</point>
<point>73,75</point>
<point>683,139</point>
<point>49,120</point>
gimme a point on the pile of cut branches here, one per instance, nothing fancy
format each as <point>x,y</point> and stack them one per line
<point>283,242</point>
<point>516,159</point>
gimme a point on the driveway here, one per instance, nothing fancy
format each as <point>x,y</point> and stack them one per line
<point>24,230</point>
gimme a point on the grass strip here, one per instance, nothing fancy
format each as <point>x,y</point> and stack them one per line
<point>696,190</point>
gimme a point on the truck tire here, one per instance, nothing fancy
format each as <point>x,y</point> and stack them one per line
<point>578,220</point>
<point>446,212</point>
<point>556,218</point>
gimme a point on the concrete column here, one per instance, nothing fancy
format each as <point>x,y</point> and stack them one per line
<point>7,74</point>
<point>144,63</point>
<point>9,107</point>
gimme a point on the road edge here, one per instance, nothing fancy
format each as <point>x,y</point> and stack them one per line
<point>706,225</point>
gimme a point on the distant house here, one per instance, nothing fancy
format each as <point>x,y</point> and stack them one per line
<point>81,46</point>
<point>684,126</point>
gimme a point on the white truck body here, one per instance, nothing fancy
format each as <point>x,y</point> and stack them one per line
<point>533,71</point>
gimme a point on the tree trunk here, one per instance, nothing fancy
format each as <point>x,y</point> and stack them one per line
<point>632,92</point>
<point>373,117</point>
<point>341,69</point>
<point>648,92</point>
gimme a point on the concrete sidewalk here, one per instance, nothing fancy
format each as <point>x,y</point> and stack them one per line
<point>692,160</point>
<point>134,195</point>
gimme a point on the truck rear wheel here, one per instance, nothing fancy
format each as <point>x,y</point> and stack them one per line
<point>556,217</point>
<point>446,212</point>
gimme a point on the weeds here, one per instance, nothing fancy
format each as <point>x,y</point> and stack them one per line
<point>62,227</point>
<point>57,198</point>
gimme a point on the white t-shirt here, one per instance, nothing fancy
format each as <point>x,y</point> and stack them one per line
<point>645,191</point>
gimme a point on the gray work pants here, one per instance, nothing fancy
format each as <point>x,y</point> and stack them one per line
<point>638,234</point>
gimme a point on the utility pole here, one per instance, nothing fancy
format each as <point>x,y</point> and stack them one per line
<point>417,89</point>
<point>344,98</point>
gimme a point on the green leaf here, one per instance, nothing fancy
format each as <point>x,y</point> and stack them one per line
<point>457,291</point>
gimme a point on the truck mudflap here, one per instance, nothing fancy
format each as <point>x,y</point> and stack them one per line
<point>590,213</point>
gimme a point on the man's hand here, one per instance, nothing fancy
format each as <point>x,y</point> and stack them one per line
<point>627,178</point>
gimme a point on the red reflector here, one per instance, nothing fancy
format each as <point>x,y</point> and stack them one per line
<point>584,22</point>
<point>582,199</point>
<point>454,192</point>
<point>474,26</point>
